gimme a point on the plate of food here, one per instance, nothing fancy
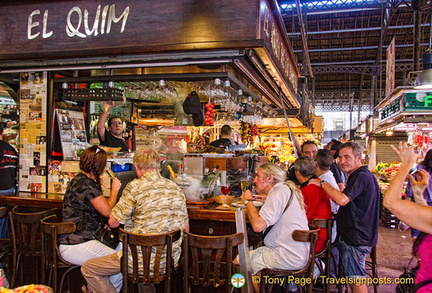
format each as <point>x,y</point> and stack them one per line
<point>240,204</point>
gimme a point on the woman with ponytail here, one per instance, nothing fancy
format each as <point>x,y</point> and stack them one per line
<point>84,204</point>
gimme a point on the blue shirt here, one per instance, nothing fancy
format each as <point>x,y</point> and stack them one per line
<point>358,221</point>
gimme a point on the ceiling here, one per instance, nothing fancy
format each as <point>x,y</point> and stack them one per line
<point>340,47</point>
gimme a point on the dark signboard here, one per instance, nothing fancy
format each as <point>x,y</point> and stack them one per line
<point>32,29</point>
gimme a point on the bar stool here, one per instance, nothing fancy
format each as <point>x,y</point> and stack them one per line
<point>25,231</point>
<point>146,267</point>
<point>371,267</point>
<point>208,260</point>
<point>52,259</point>
<point>326,255</point>
<point>306,272</point>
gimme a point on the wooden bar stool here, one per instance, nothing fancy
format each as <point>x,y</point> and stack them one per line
<point>208,260</point>
<point>52,259</point>
<point>326,255</point>
<point>146,268</point>
<point>25,228</point>
<point>306,272</point>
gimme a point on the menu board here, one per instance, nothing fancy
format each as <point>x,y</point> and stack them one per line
<point>72,132</point>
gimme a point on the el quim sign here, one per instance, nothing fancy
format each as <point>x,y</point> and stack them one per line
<point>77,22</point>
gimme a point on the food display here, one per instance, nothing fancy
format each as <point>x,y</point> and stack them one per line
<point>28,289</point>
<point>386,171</point>
<point>209,114</point>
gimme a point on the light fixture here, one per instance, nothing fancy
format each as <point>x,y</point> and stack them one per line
<point>162,82</point>
<point>111,84</point>
<point>227,83</point>
<point>424,78</point>
<point>65,85</point>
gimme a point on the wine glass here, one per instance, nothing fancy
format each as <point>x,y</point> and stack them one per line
<point>225,189</point>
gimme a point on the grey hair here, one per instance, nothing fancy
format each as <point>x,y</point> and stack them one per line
<point>305,165</point>
<point>356,148</point>
<point>279,174</point>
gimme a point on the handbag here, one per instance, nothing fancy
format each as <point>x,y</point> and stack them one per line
<point>109,237</point>
<point>407,281</point>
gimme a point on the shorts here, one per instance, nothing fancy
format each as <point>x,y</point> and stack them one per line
<point>353,259</point>
<point>262,258</point>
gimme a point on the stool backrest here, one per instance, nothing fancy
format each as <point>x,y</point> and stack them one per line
<point>310,236</point>
<point>207,260</point>
<point>51,229</point>
<point>52,260</point>
<point>324,224</point>
<point>146,252</point>
<point>25,229</point>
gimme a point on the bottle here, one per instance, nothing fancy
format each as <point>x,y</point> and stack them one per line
<point>173,175</point>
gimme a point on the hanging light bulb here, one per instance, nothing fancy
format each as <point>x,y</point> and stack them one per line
<point>111,84</point>
<point>218,81</point>
<point>227,83</point>
<point>240,92</point>
<point>162,82</point>
<point>65,85</point>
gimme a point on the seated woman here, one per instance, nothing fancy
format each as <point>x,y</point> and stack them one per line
<point>417,215</point>
<point>84,204</point>
<point>316,200</point>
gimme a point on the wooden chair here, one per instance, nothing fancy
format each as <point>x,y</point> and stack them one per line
<point>144,269</point>
<point>52,260</point>
<point>306,272</point>
<point>25,230</point>
<point>208,260</point>
<point>326,255</point>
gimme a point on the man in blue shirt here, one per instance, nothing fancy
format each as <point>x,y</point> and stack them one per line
<point>358,215</point>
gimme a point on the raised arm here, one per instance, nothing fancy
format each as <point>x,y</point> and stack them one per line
<point>415,215</point>
<point>103,119</point>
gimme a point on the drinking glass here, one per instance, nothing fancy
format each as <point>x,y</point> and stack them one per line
<point>225,189</point>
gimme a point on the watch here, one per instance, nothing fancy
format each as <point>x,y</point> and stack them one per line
<point>246,202</point>
<point>322,182</point>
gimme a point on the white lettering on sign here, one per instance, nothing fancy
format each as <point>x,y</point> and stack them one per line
<point>35,24</point>
<point>77,22</point>
<point>73,29</point>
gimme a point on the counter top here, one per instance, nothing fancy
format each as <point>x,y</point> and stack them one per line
<point>196,212</point>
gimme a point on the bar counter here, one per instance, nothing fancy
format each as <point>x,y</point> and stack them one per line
<point>204,219</point>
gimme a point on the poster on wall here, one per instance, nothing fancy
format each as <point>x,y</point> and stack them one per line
<point>32,119</point>
<point>72,133</point>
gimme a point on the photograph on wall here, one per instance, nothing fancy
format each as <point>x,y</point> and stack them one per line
<point>72,132</point>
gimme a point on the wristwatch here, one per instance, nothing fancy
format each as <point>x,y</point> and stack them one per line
<point>246,202</point>
<point>322,182</point>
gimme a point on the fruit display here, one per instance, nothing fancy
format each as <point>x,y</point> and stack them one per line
<point>386,171</point>
<point>209,113</point>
